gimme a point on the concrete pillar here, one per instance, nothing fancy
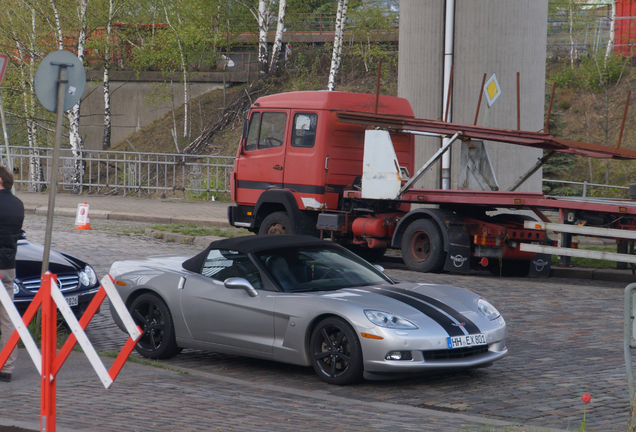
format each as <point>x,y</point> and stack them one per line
<point>491,36</point>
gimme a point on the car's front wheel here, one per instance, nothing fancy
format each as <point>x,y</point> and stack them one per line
<point>152,315</point>
<point>335,352</point>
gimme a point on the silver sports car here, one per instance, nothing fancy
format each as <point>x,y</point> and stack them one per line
<point>305,301</point>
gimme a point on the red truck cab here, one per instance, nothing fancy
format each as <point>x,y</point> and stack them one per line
<point>295,159</point>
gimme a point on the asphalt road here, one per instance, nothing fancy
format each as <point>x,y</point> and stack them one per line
<point>565,340</point>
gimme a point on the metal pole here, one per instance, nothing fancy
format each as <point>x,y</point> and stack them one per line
<point>427,165</point>
<point>481,92</point>
<point>518,104</point>
<point>628,336</point>
<point>6,142</point>
<point>61,87</point>
<point>547,117</point>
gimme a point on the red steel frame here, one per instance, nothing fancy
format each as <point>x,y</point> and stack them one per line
<point>531,200</point>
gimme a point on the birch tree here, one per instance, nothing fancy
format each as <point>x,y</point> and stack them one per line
<point>113,9</point>
<point>77,144</point>
<point>262,16</point>
<point>278,40</point>
<point>25,48</point>
<point>184,68</point>
<point>336,56</point>
<point>610,41</point>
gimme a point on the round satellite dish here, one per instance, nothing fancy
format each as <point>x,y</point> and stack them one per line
<point>48,74</point>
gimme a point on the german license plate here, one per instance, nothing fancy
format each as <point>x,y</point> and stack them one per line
<point>72,301</point>
<point>466,341</point>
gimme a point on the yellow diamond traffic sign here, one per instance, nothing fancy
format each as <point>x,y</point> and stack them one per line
<point>492,90</point>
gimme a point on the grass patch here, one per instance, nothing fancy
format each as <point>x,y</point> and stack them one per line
<point>589,262</point>
<point>194,230</point>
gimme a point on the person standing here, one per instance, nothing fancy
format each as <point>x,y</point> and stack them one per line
<point>11,219</point>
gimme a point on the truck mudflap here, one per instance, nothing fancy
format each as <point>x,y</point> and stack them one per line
<point>454,233</point>
<point>540,266</point>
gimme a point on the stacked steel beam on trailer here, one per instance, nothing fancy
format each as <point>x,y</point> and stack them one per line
<point>525,138</point>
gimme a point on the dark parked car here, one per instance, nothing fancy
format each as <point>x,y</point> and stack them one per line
<point>77,280</point>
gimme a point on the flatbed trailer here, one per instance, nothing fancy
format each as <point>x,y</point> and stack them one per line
<point>328,164</point>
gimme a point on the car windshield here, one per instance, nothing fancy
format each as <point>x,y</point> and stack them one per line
<point>319,268</point>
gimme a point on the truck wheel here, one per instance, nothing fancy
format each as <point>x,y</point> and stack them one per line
<point>423,246</point>
<point>277,223</point>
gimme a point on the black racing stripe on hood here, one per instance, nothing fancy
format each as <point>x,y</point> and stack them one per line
<point>443,320</point>
<point>470,326</point>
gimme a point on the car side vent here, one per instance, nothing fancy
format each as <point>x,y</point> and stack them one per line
<point>456,353</point>
<point>66,282</point>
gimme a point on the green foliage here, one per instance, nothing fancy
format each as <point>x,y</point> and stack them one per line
<point>194,230</point>
<point>591,73</point>
<point>560,166</point>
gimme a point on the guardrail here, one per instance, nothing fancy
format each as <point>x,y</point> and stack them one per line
<point>585,185</point>
<point>124,173</point>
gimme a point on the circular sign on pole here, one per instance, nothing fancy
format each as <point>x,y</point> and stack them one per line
<point>47,76</point>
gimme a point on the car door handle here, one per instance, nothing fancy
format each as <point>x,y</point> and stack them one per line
<point>278,167</point>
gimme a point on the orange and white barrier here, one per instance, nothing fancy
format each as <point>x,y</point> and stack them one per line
<point>82,220</point>
<point>49,361</point>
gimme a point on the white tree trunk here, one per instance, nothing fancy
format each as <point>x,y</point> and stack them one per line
<point>572,48</point>
<point>273,65</point>
<point>58,26</point>
<point>610,42</point>
<point>263,27</point>
<point>27,73</point>
<point>77,144</point>
<point>107,119</point>
<point>341,17</point>
<point>184,70</point>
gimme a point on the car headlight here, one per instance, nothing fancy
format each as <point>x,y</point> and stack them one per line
<point>388,320</point>
<point>487,309</point>
<point>88,276</point>
<point>16,288</point>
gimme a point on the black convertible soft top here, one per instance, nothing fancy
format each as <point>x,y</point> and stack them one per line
<point>251,244</point>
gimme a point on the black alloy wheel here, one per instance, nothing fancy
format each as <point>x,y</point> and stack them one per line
<point>335,352</point>
<point>152,315</point>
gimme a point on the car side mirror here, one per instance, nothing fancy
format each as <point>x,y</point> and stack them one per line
<point>379,267</point>
<point>240,283</point>
<point>23,235</point>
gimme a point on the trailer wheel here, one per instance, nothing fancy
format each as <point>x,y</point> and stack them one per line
<point>277,223</point>
<point>423,246</point>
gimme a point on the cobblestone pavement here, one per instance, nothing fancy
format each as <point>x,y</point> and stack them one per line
<point>565,339</point>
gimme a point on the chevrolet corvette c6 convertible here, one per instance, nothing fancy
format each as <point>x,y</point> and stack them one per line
<point>305,301</point>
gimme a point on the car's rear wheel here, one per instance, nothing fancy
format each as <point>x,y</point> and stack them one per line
<point>152,315</point>
<point>335,352</point>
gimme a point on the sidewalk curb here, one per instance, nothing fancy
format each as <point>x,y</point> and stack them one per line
<point>130,217</point>
<point>593,274</point>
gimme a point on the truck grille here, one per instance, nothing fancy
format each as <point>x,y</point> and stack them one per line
<point>66,283</point>
<point>456,353</point>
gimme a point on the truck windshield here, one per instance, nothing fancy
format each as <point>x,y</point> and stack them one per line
<point>319,268</point>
